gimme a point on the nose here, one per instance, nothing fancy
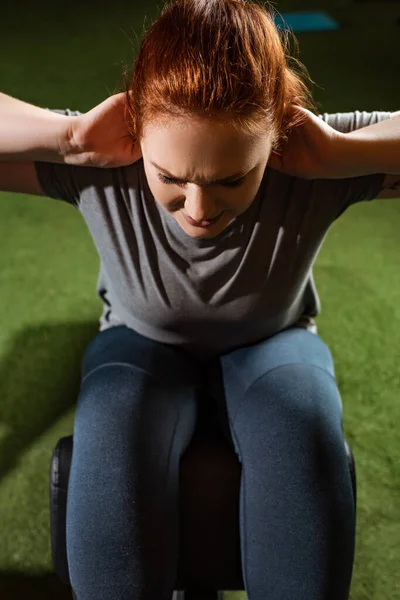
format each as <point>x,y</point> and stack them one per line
<point>199,207</point>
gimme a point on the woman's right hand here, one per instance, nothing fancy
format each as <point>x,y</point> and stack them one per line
<point>100,137</point>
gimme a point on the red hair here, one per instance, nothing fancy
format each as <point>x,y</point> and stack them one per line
<point>218,59</point>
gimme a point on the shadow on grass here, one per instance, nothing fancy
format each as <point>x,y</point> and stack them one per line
<point>22,586</point>
<point>40,380</point>
<point>40,376</point>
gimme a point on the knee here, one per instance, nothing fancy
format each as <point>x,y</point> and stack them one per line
<point>293,396</point>
<point>108,399</point>
<point>121,405</point>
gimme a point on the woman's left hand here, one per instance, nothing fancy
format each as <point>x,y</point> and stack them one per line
<point>310,149</point>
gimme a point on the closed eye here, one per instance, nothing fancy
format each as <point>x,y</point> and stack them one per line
<point>170,181</point>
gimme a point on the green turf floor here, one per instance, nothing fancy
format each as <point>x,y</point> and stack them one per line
<point>70,55</point>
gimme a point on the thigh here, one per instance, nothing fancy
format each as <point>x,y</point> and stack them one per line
<point>134,385</point>
<point>122,345</point>
<point>300,359</point>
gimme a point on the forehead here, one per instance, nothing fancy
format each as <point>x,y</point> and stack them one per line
<point>197,151</point>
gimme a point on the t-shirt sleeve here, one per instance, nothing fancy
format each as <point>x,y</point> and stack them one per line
<point>61,181</point>
<point>366,187</point>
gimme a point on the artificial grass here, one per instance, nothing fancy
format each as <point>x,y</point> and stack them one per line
<point>58,56</point>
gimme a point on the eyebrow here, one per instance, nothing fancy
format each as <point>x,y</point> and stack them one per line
<point>204,181</point>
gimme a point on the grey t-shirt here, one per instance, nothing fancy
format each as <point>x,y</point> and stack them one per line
<point>209,296</point>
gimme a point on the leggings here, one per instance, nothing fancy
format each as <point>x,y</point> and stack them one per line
<point>278,405</point>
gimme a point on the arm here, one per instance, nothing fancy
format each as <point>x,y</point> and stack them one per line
<point>30,133</point>
<point>372,149</point>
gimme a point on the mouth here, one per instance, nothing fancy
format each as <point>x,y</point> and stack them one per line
<point>203,224</point>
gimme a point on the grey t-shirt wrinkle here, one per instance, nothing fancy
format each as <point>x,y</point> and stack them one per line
<point>209,296</point>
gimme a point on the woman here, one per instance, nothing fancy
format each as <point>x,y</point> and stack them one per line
<point>207,237</point>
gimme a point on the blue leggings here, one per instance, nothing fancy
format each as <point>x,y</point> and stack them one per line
<point>279,406</point>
